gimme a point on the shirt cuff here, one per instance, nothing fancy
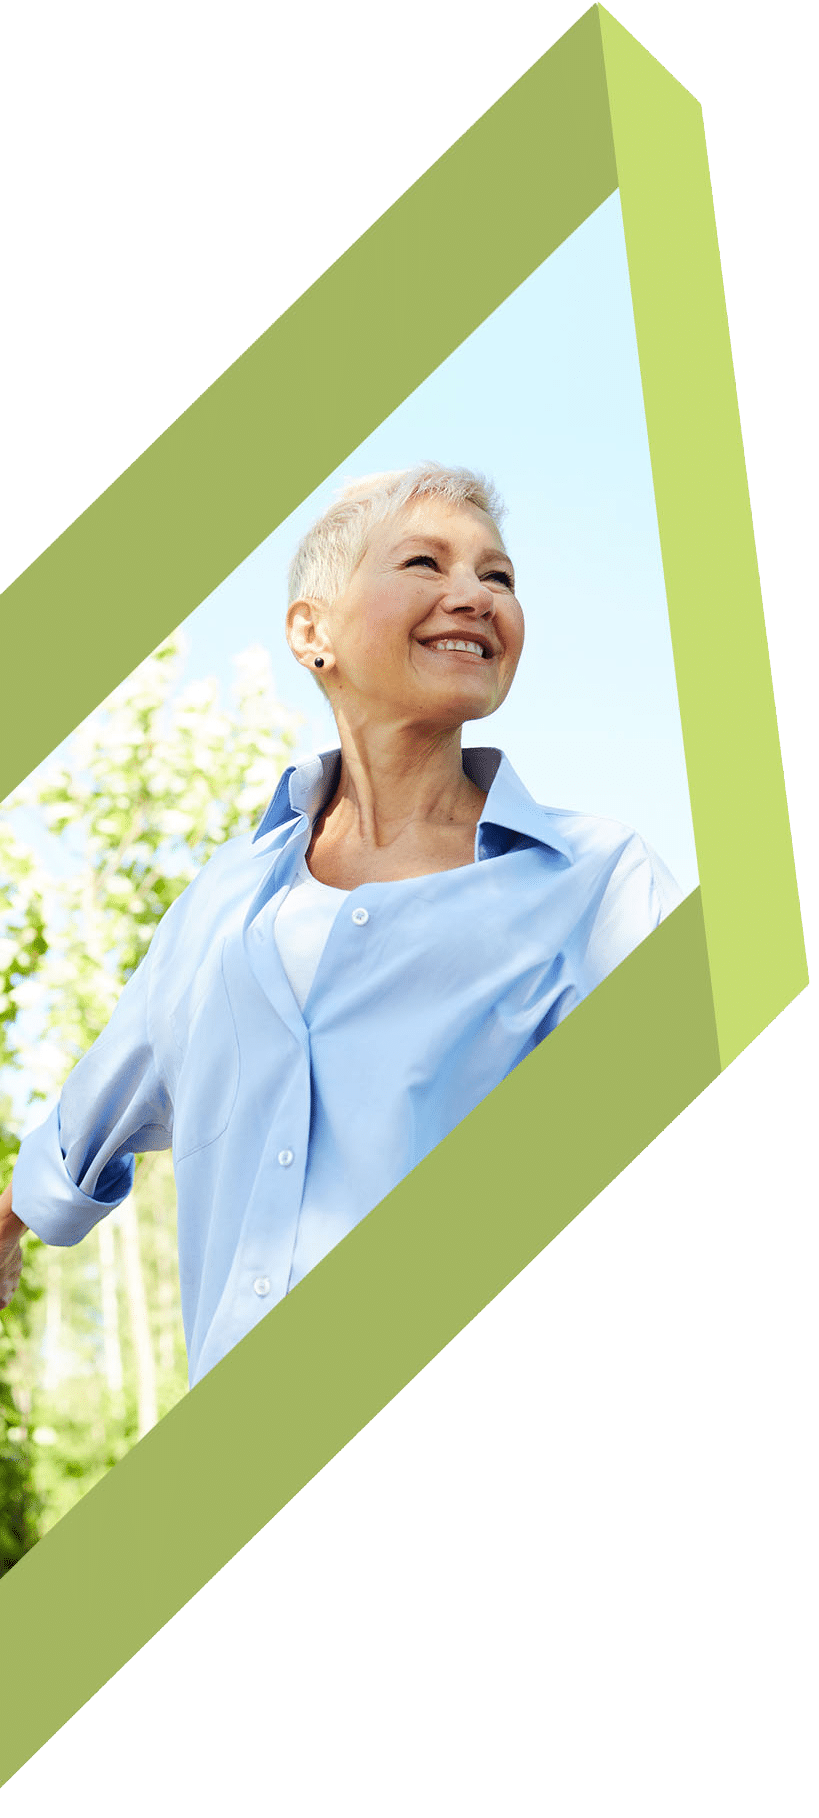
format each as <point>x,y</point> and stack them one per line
<point>46,1198</point>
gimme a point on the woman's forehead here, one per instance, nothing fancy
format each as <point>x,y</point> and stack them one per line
<point>444,518</point>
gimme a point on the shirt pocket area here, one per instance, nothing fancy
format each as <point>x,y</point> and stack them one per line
<point>207,1044</point>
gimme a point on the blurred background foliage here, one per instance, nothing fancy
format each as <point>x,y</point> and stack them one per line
<point>92,1350</point>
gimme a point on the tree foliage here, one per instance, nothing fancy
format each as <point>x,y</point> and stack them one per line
<point>91,1347</point>
<point>23,944</point>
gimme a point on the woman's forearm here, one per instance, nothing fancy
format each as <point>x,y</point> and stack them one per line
<point>11,1259</point>
<point>9,1222</point>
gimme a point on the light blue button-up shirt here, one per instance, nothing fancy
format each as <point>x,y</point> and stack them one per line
<point>287,1126</point>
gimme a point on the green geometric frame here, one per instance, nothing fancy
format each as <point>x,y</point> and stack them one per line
<point>596,112</point>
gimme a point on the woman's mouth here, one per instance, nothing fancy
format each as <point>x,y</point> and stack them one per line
<point>466,646</point>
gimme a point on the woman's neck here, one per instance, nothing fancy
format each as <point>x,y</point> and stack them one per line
<point>403,807</point>
<point>393,779</point>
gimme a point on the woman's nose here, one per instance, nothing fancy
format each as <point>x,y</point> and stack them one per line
<point>469,593</point>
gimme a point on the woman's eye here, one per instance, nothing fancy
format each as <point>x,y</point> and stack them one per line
<point>497,574</point>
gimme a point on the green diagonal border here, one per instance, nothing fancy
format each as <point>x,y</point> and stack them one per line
<point>735,779</point>
<point>594,110</point>
<point>356,1330</point>
<point>295,405</point>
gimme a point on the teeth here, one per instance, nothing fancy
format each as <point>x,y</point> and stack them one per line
<point>456,644</point>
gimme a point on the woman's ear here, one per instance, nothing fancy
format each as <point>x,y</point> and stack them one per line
<point>307,633</point>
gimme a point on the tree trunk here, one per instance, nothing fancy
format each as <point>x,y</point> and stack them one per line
<point>168,1296</point>
<point>53,1371</point>
<point>111,1347</point>
<point>138,1314</point>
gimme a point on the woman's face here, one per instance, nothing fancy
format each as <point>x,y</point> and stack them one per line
<point>428,628</point>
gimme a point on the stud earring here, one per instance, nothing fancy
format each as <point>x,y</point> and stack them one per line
<point>319,662</point>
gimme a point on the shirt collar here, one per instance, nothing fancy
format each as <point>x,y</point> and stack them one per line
<point>302,789</point>
<point>508,804</point>
<point>305,788</point>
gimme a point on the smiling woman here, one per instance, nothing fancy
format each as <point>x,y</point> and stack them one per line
<point>331,995</point>
<point>418,631</point>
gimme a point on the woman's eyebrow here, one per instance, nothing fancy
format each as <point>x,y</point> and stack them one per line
<point>421,536</point>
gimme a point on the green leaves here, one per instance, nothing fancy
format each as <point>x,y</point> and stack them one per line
<point>91,1347</point>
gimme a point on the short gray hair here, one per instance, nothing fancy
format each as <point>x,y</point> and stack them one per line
<point>328,556</point>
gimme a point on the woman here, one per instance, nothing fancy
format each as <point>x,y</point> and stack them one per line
<point>334,993</point>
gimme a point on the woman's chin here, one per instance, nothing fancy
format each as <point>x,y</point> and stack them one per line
<point>469,693</point>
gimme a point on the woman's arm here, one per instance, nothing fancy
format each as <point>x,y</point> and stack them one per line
<point>11,1259</point>
<point>79,1164</point>
<point>115,1104</point>
<point>104,1103</point>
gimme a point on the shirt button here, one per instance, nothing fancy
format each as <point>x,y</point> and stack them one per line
<point>261,1286</point>
<point>360,916</point>
<point>285,1157</point>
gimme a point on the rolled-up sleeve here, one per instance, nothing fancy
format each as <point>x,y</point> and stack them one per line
<point>79,1163</point>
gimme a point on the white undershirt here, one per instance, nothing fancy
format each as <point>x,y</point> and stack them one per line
<point>302,926</point>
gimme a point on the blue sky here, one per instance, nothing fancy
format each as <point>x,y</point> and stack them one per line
<point>545,398</point>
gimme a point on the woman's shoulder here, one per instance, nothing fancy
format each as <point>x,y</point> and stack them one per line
<point>574,833</point>
<point>585,834</point>
<point>611,849</point>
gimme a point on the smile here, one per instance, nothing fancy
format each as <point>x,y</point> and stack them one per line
<point>465,645</point>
